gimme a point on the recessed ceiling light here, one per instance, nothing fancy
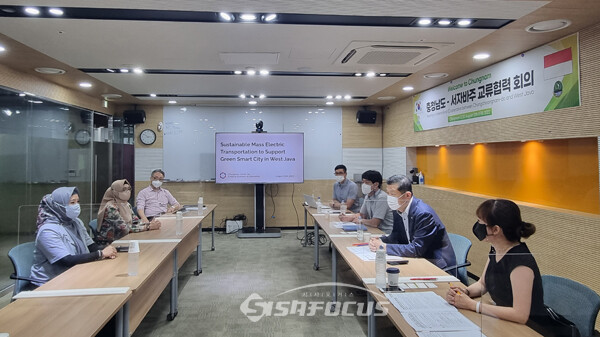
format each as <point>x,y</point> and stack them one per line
<point>17,112</point>
<point>138,70</point>
<point>2,48</point>
<point>444,22</point>
<point>32,11</point>
<point>347,97</point>
<point>152,95</point>
<point>261,96</point>
<point>172,102</point>
<point>338,96</point>
<point>248,17</point>
<point>424,22</point>
<point>28,94</point>
<point>35,102</point>
<point>251,72</point>
<point>226,16</point>
<point>264,72</point>
<point>370,74</point>
<point>481,56</point>
<point>50,71</point>
<point>310,112</point>
<point>435,75</point>
<point>238,72</point>
<point>472,143</point>
<point>242,96</point>
<point>464,22</point>
<point>357,74</point>
<point>437,145</point>
<point>252,102</point>
<point>383,74</point>
<point>85,84</point>
<point>56,11</point>
<point>110,70</point>
<point>124,70</point>
<point>111,97</point>
<point>548,26</point>
<point>386,98</point>
<point>269,17</point>
<point>329,97</point>
<point>22,94</point>
<point>7,112</point>
<point>329,103</point>
<point>408,88</point>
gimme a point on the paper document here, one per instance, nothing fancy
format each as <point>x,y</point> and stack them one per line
<point>340,224</point>
<point>472,333</point>
<point>427,311</point>
<point>445,278</point>
<point>148,241</point>
<point>71,292</point>
<point>365,254</point>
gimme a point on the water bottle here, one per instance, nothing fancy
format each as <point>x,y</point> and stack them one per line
<point>359,230</point>
<point>179,223</point>
<point>343,207</point>
<point>380,267</point>
<point>421,178</point>
<point>133,257</point>
<point>200,206</point>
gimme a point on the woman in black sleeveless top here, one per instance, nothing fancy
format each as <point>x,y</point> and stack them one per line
<point>511,275</point>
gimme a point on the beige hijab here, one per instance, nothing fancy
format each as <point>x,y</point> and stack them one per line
<point>111,198</point>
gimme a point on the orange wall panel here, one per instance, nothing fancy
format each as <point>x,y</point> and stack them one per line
<point>559,173</point>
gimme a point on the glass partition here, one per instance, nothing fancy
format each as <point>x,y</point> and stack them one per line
<point>45,145</point>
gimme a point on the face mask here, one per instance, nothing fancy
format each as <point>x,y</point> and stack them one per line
<point>339,178</point>
<point>366,189</point>
<point>73,211</point>
<point>125,195</point>
<point>156,183</point>
<point>393,202</point>
<point>480,231</point>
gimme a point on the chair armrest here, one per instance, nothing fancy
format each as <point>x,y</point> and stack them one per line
<point>13,276</point>
<point>466,264</point>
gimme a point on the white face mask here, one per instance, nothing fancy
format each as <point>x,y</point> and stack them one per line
<point>366,189</point>
<point>339,178</point>
<point>156,183</point>
<point>393,202</point>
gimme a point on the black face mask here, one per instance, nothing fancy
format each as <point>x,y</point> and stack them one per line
<point>480,230</point>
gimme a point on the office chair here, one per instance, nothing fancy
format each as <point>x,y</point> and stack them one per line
<point>461,246</point>
<point>21,257</point>
<point>573,300</point>
<point>93,227</point>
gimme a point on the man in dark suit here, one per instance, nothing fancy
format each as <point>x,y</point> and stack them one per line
<point>418,231</point>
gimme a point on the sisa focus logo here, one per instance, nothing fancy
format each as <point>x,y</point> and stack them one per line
<point>558,88</point>
<point>223,175</point>
<point>255,307</point>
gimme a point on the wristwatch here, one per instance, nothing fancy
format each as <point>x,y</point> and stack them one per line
<point>99,255</point>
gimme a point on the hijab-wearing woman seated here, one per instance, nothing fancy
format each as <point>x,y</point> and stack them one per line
<point>115,216</point>
<point>62,240</point>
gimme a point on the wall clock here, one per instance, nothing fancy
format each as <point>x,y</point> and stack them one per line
<point>148,137</point>
<point>82,137</point>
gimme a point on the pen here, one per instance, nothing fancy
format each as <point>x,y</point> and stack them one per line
<point>423,278</point>
<point>457,291</point>
<point>360,244</point>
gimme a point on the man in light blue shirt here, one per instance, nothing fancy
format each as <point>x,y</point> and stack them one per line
<point>344,190</point>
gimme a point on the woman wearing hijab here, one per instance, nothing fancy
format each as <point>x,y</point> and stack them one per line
<point>116,217</point>
<point>62,240</point>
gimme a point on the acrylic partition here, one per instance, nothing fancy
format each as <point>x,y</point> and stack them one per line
<point>45,145</point>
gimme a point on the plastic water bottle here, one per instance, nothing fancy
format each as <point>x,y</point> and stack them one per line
<point>200,206</point>
<point>421,178</point>
<point>380,267</point>
<point>343,207</point>
<point>133,257</point>
<point>179,223</point>
<point>359,230</point>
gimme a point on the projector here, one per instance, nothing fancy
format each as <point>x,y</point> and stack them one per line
<point>233,226</point>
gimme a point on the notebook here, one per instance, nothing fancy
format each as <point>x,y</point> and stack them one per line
<point>311,202</point>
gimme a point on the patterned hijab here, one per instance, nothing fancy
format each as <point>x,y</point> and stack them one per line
<point>113,197</point>
<point>52,208</point>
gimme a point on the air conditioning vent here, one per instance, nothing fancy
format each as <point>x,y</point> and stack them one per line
<point>379,53</point>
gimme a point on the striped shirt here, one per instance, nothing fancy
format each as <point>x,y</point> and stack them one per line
<point>154,202</point>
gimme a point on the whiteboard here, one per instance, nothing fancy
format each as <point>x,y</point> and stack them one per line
<point>189,136</point>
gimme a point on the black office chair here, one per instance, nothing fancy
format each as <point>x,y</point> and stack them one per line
<point>461,246</point>
<point>21,257</point>
<point>94,228</point>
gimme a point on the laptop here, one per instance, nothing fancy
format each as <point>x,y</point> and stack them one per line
<point>311,202</point>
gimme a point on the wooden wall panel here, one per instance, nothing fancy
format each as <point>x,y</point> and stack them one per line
<point>355,135</point>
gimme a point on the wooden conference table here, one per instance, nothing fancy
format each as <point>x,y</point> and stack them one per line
<point>365,270</point>
<point>162,253</point>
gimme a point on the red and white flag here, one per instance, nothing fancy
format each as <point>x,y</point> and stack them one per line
<point>558,64</point>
